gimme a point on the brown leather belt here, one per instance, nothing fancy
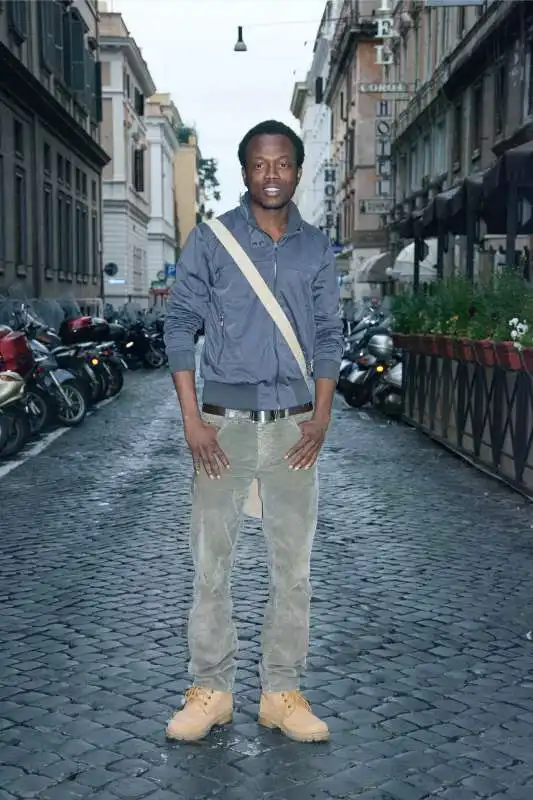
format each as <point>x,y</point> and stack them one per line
<point>257,416</point>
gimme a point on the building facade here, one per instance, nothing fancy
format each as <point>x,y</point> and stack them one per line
<point>314,118</point>
<point>470,70</point>
<point>358,91</point>
<point>162,148</point>
<point>51,159</point>
<point>187,188</point>
<point>126,85</point>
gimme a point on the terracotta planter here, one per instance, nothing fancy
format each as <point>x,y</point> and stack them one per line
<point>400,339</point>
<point>467,350</point>
<point>527,358</point>
<point>507,356</point>
<point>485,353</point>
<point>446,346</point>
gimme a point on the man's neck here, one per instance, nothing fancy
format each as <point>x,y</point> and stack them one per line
<point>272,221</point>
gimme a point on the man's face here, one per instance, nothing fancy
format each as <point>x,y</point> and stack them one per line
<point>271,175</point>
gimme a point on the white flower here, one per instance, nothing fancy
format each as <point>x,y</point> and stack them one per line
<point>513,322</point>
<point>522,328</point>
<point>514,334</point>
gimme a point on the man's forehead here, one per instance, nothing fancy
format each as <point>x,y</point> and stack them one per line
<point>276,145</point>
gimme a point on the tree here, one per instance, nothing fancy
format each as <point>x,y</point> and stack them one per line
<point>209,186</point>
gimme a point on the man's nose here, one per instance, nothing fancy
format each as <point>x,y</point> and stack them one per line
<point>272,171</point>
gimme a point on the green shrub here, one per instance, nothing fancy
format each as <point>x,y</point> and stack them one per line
<point>456,307</point>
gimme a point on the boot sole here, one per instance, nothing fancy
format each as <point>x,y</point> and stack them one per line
<point>218,723</point>
<point>310,737</point>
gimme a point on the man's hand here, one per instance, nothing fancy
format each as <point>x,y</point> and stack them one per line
<point>206,451</point>
<point>305,452</point>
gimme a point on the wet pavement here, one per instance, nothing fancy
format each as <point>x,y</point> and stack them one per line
<point>420,659</point>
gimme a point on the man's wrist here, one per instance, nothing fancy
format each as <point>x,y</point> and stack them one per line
<point>322,417</point>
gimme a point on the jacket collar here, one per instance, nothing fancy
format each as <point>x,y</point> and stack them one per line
<point>295,218</point>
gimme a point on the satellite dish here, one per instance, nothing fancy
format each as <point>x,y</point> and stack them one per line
<point>111,269</point>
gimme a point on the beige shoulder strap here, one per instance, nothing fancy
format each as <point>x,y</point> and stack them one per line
<point>250,272</point>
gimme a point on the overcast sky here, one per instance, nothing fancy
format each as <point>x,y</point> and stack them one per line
<point>188,45</point>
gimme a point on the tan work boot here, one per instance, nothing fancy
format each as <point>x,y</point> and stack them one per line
<point>204,708</point>
<point>291,713</point>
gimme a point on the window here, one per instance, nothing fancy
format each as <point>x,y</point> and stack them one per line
<point>440,147</point>
<point>139,103</point>
<point>60,230</point>
<point>82,240</point>
<point>48,217</point>
<point>47,159</point>
<point>2,215</point>
<point>94,192</point>
<point>476,119</point>
<point>60,168</point>
<point>138,170</point>
<point>67,235</point>
<point>94,242</point>
<point>18,136</point>
<point>461,21</point>
<point>500,98</point>
<point>84,184</point>
<point>78,181</point>
<point>457,145</point>
<point>68,173</point>
<point>21,218</point>
<point>79,241</point>
<point>528,80</point>
<point>427,166</point>
<point>17,20</point>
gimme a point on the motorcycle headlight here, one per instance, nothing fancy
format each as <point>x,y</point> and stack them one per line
<point>130,344</point>
<point>95,361</point>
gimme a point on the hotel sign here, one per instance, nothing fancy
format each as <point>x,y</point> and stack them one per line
<point>385,29</point>
<point>330,190</point>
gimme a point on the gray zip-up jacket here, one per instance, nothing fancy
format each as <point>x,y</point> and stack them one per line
<point>246,363</point>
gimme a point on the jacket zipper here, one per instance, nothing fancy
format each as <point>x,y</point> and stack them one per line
<point>274,324</point>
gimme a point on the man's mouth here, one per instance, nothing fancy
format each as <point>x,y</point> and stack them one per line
<point>272,191</point>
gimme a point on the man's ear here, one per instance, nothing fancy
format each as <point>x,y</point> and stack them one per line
<point>243,173</point>
<point>298,175</point>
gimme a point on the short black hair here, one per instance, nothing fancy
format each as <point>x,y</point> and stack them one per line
<point>273,128</point>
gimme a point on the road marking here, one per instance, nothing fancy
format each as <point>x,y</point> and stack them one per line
<point>30,451</point>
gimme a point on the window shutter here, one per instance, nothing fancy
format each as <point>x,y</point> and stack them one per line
<point>58,14</point>
<point>98,110</point>
<point>46,25</point>
<point>78,56</point>
<point>89,83</point>
<point>67,49</point>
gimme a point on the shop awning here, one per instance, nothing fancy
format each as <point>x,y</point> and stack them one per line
<point>374,269</point>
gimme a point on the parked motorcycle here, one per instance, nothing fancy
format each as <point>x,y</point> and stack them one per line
<point>15,427</point>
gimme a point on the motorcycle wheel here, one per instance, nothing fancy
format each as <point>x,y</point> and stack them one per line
<point>154,358</point>
<point>115,380</point>
<point>103,384</point>
<point>5,427</point>
<point>19,435</point>
<point>356,399</point>
<point>67,416</point>
<point>40,417</point>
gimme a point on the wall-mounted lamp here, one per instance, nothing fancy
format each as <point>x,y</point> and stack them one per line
<point>240,47</point>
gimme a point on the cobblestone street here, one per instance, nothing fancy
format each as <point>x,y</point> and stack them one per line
<point>420,659</point>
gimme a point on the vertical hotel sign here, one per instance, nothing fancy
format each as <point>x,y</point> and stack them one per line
<point>330,190</point>
<point>385,27</point>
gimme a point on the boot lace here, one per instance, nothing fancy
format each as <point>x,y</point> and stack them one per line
<point>294,700</point>
<point>199,695</point>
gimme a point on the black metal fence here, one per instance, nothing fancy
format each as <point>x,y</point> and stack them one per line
<point>484,413</point>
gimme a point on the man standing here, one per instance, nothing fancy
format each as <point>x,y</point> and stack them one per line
<point>257,422</point>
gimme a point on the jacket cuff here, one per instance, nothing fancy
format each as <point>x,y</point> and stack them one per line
<point>326,368</point>
<point>181,361</point>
